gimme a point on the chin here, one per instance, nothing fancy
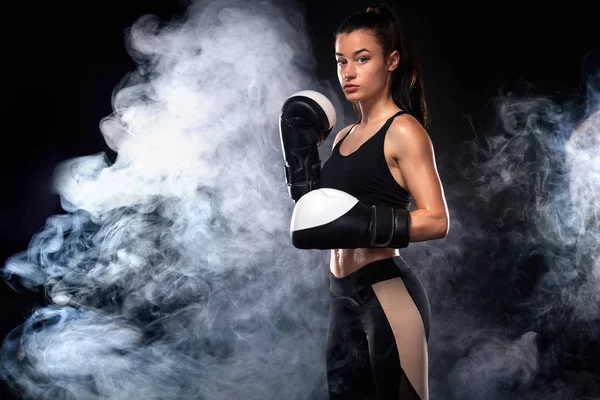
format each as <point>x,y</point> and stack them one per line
<point>353,97</point>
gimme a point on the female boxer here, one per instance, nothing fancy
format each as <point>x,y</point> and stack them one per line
<point>358,206</point>
<point>379,316</point>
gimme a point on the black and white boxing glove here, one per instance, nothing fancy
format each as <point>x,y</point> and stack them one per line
<point>332,219</point>
<point>306,120</point>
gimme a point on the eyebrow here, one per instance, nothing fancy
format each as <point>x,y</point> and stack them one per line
<point>355,53</point>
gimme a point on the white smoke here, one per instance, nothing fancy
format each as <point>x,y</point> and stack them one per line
<point>515,287</point>
<point>493,364</point>
<point>172,273</point>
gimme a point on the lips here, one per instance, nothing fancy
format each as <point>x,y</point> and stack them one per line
<point>350,87</point>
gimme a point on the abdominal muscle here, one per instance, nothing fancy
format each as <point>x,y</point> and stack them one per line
<point>346,261</point>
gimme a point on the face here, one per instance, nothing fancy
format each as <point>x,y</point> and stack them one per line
<point>361,63</point>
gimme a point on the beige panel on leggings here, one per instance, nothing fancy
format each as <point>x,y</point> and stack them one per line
<point>409,333</point>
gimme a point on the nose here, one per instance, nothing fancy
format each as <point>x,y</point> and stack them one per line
<point>349,72</point>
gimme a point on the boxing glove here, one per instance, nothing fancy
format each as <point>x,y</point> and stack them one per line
<point>306,120</point>
<point>332,219</point>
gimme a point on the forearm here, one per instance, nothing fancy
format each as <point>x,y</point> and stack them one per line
<point>427,225</point>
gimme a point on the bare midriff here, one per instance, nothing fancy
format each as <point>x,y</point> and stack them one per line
<point>346,261</point>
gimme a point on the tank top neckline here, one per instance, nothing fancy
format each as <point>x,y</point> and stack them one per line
<point>385,125</point>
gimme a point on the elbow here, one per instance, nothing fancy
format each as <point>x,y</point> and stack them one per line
<point>443,227</point>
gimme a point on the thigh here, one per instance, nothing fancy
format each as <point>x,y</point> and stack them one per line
<point>348,365</point>
<point>398,343</point>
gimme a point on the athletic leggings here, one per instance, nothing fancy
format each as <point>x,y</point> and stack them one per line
<point>377,334</point>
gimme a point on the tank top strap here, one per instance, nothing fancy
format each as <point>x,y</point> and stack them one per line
<point>391,119</point>
<point>382,133</point>
<point>347,133</point>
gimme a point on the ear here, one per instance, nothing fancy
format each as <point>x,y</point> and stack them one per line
<point>393,60</point>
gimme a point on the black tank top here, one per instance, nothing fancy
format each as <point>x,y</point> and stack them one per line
<point>364,173</point>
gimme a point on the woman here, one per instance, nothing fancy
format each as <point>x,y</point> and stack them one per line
<point>379,315</point>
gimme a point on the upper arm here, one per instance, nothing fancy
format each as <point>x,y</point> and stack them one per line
<point>413,150</point>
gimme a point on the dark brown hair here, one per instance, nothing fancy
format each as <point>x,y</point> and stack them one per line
<point>390,32</point>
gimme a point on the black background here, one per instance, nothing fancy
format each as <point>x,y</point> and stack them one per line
<point>63,59</point>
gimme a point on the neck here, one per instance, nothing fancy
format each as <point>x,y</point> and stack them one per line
<point>377,108</point>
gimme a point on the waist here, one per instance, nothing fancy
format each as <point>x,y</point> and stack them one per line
<point>347,261</point>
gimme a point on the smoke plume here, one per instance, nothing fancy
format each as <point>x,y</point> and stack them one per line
<point>515,286</point>
<point>171,275</point>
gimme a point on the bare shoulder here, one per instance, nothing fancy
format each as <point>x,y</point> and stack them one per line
<point>408,136</point>
<point>341,134</point>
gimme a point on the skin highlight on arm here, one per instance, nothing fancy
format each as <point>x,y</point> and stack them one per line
<point>412,152</point>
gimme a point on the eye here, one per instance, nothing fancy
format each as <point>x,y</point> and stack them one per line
<point>362,60</point>
<point>341,62</point>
